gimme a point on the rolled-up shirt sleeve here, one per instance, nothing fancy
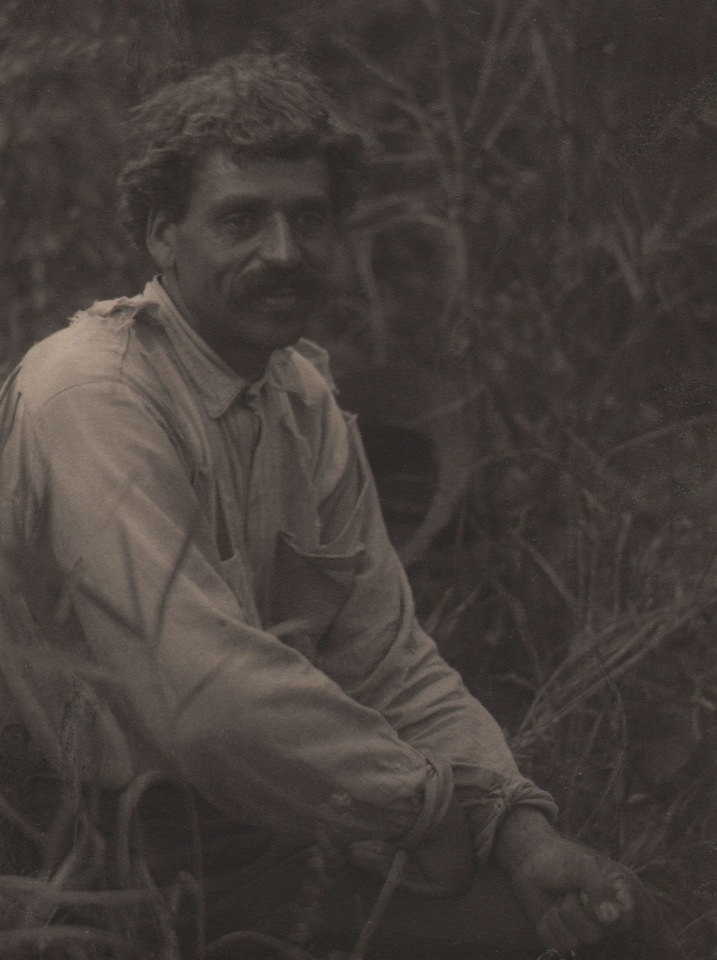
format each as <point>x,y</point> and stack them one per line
<point>250,722</point>
<point>378,652</point>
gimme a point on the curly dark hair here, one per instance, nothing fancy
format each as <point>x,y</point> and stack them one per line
<point>253,105</point>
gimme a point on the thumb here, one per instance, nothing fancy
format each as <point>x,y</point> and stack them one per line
<point>646,930</point>
<point>606,893</point>
<point>372,855</point>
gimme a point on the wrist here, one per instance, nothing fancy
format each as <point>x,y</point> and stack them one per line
<point>522,830</point>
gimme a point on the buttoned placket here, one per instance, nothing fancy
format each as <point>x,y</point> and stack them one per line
<point>262,497</point>
<point>231,468</point>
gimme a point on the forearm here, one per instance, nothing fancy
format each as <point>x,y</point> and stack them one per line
<point>520,832</point>
<point>396,669</point>
<point>426,702</point>
<point>487,780</point>
<point>378,653</point>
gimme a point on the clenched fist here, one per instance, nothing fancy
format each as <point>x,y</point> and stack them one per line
<point>574,896</point>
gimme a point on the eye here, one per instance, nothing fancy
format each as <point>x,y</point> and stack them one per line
<point>242,225</point>
<point>311,223</point>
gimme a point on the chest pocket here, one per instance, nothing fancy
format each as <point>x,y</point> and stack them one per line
<point>309,590</point>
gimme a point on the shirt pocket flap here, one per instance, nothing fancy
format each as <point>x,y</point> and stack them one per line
<point>310,587</point>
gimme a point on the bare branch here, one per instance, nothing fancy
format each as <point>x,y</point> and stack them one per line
<point>490,58</point>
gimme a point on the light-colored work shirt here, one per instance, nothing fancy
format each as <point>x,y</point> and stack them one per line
<point>203,584</point>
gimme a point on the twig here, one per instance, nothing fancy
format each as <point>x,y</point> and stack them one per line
<point>555,579</point>
<point>21,823</point>
<point>450,113</point>
<point>287,950</point>
<point>198,867</point>
<point>489,60</point>
<point>379,907</point>
<point>619,762</point>
<point>162,913</point>
<point>513,31</point>
<point>405,102</point>
<point>491,138</point>
<point>617,585</point>
<point>657,434</point>
<point>17,886</point>
<point>625,654</point>
<point>540,53</point>
<point>363,250</point>
<point>41,937</point>
<point>125,812</point>
<point>521,621</point>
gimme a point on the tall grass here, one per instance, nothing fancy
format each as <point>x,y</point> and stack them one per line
<point>548,255</point>
<point>67,77</point>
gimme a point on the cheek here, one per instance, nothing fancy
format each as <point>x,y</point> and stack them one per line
<point>232,260</point>
<point>221,272</point>
<point>319,254</point>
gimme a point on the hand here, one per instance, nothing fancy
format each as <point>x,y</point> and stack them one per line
<point>574,896</point>
<point>439,866</point>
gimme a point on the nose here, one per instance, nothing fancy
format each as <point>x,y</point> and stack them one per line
<point>278,245</point>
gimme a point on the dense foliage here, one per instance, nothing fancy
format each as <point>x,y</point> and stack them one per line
<point>525,301</point>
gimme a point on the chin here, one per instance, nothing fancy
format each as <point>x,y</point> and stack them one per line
<point>283,330</point>
<point>270,341</point>
<point>268,330</point>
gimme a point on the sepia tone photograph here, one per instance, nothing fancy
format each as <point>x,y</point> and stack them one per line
<point>358,480</point>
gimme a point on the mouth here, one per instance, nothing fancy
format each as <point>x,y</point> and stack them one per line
<point>274,287</point>
<point>285,304</point>
<point>287,299</point>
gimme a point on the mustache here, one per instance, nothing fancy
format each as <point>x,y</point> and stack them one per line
<point>273,282</point>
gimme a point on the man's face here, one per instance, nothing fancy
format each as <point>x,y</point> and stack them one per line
<point>247,264</point>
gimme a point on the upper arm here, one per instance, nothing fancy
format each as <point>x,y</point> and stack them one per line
<point>108,461</point>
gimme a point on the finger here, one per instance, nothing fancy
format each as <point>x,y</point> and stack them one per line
<point>423,888</point>
<point>555,935</point>
<point>624,896</point>
<point>371,856</point>
<point>378,847</point>
<point>417,880</point>
<point>575,917</point>
<point>613,907</point>
<point>607,890</point>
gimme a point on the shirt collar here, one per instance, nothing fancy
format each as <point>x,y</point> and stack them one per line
<point>216,383</point>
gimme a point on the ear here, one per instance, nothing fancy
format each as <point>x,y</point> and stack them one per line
<point>161,239</point>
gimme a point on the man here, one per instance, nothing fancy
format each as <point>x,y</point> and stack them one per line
<point>191,525</point>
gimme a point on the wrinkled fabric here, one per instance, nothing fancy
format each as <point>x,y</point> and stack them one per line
<point>202,583</point>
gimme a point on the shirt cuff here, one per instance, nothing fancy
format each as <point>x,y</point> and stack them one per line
<point>437,796</point>
<point>498,796</point>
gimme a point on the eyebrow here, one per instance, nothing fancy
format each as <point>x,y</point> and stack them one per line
<point>232,204</point>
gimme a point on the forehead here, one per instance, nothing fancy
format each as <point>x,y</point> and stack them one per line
<point>275,181</point>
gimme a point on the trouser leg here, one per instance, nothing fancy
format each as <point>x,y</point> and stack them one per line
<point>486,923</point>
<point>278,888</point>
<point>253,881</point>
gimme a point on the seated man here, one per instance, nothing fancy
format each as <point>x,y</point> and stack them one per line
<point>189,523</point>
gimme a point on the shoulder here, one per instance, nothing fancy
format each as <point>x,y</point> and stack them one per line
<point>93,348</point>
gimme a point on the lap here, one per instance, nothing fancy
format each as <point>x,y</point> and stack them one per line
<point>307,894</point>
<point>294,891</point>
<point>486,923</point>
